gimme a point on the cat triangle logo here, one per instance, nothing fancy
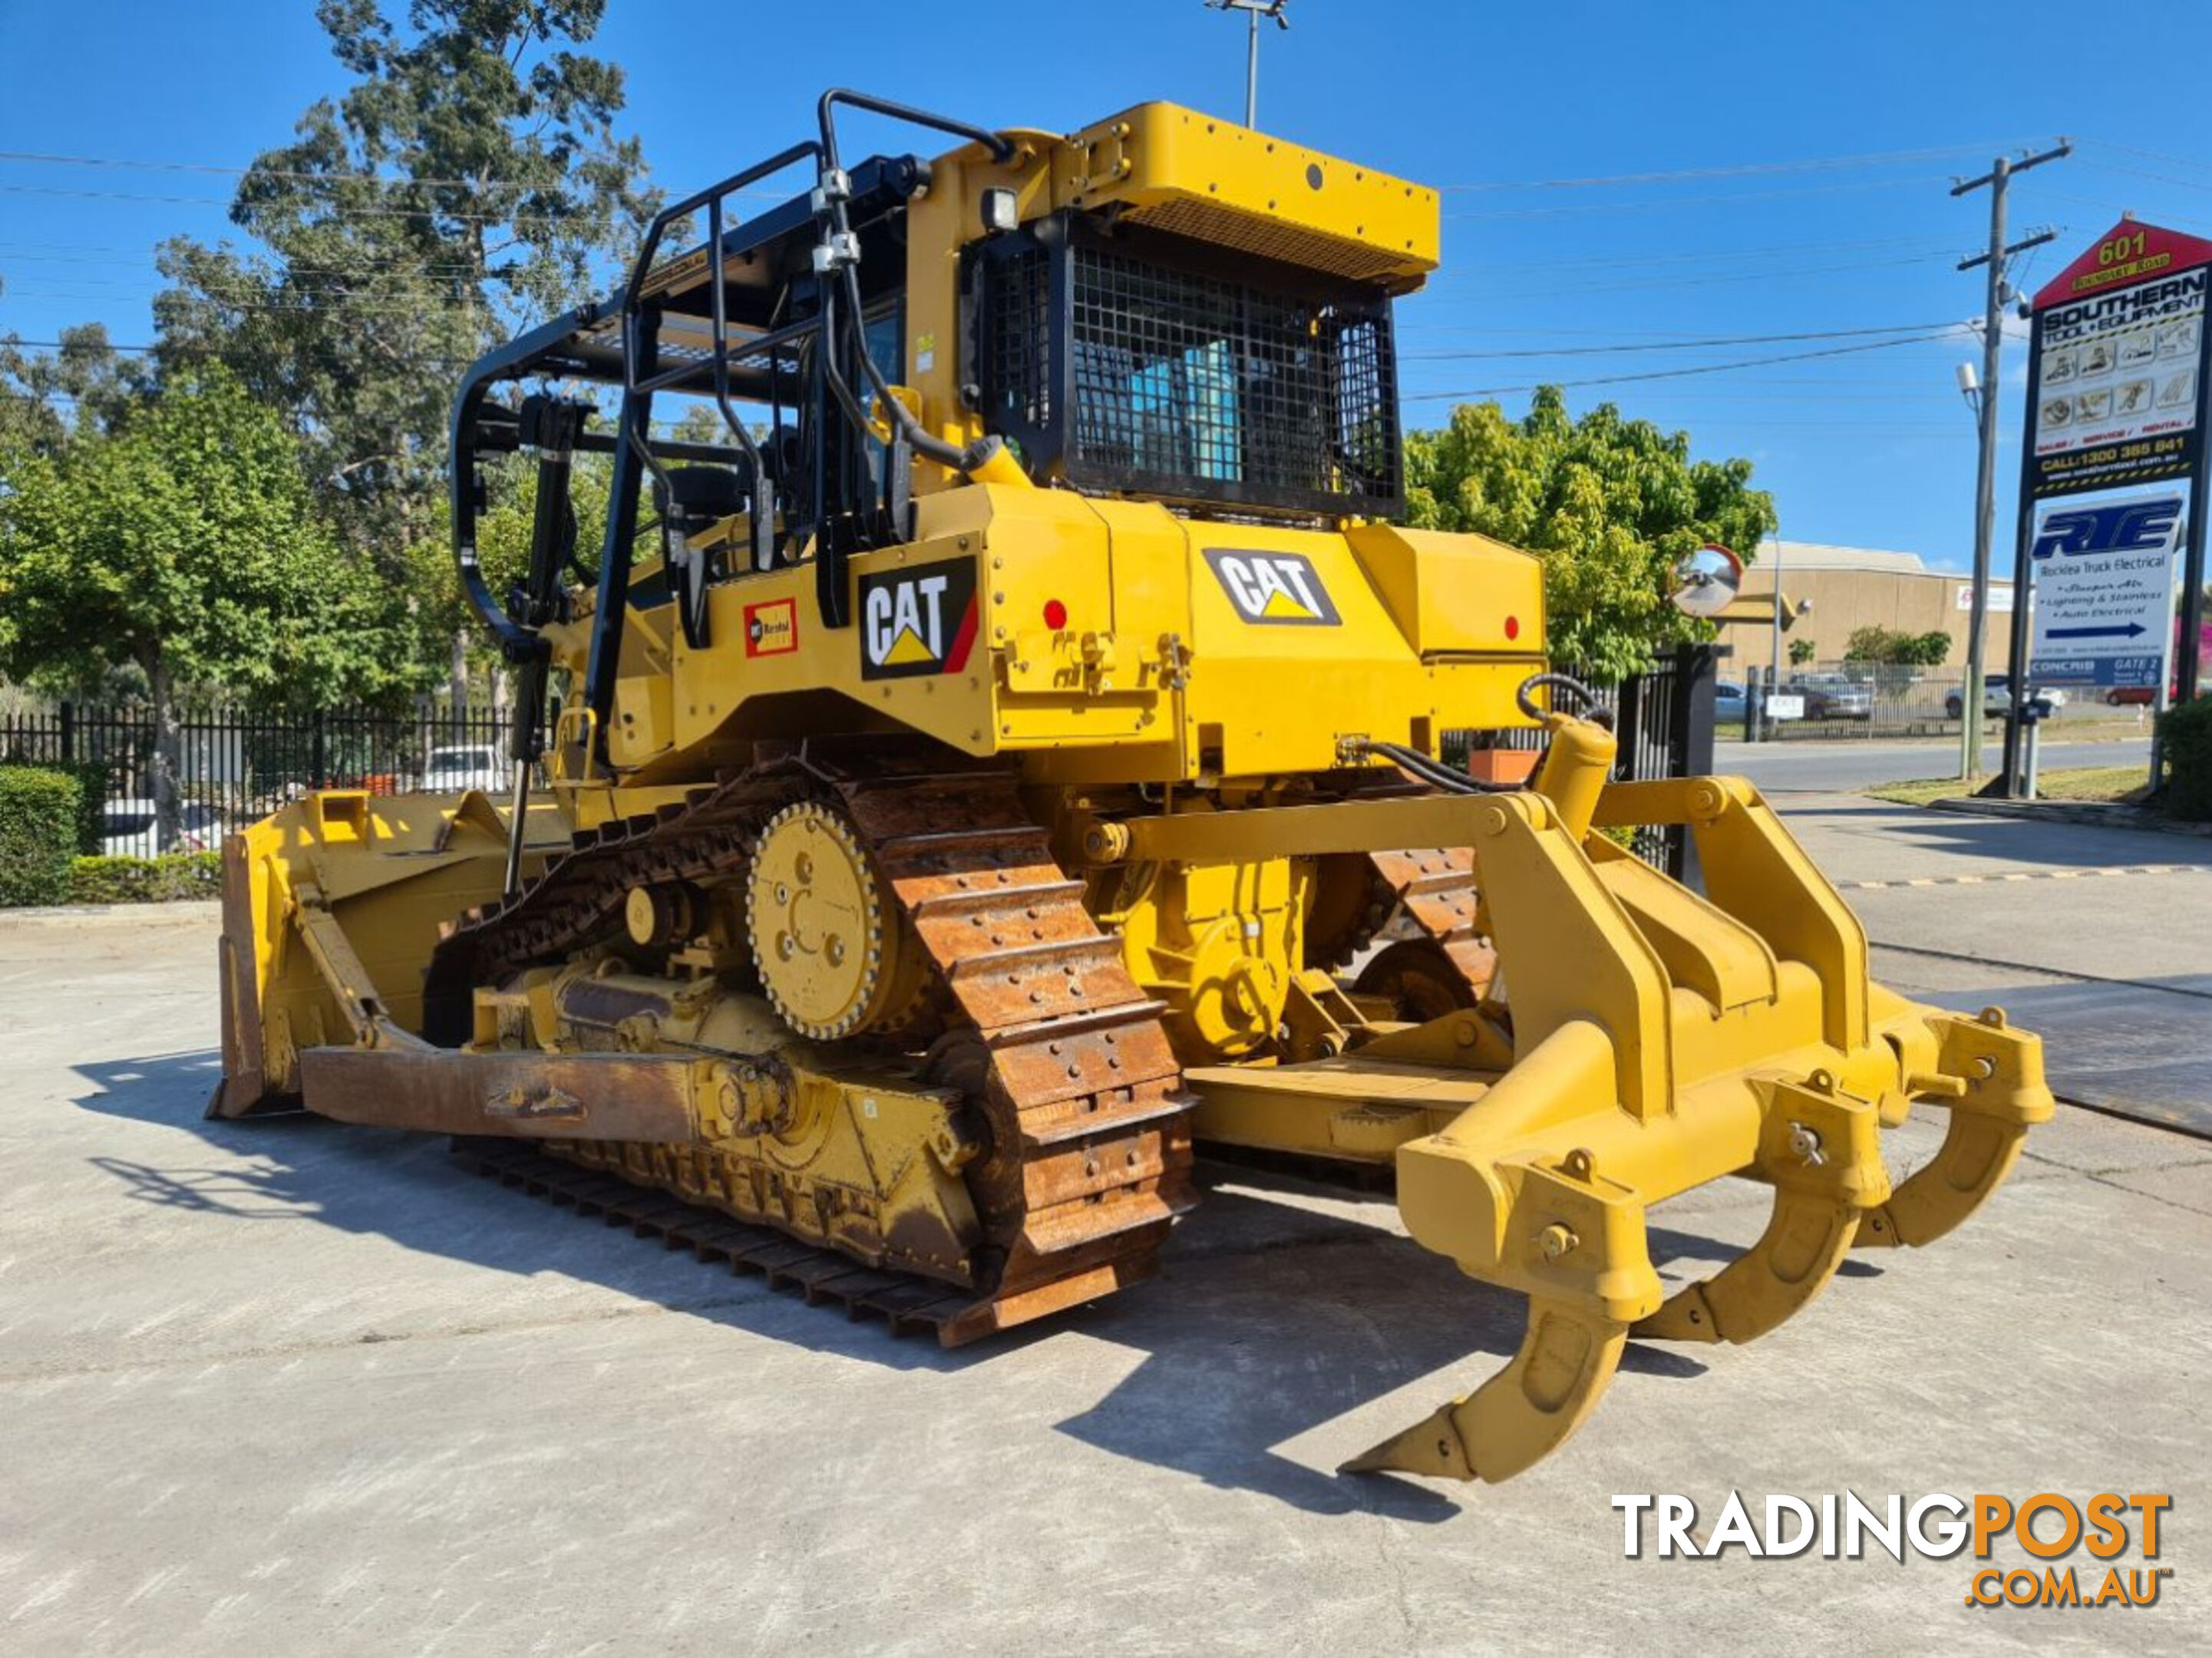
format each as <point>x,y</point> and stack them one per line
<point>1278,589</point>
<point>908,648</point>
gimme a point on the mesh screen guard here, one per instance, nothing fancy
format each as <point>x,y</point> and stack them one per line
<point>1149,365</point>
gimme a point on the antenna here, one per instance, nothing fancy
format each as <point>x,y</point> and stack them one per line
<point>1253,10</point>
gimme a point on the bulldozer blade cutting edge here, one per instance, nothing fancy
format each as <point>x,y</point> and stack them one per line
<point>1521,1415</point>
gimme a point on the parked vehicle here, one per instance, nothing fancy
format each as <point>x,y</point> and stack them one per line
<point>1997,698</point>
<point>2140,696</point>
<point>470,765</point>
<point>128,829</point>
<point>1731,703</point>
<point>1831,696</point>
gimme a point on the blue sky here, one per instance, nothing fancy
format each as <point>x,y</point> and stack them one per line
<point>1768,217</point>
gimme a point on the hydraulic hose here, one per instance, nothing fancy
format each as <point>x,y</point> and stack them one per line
<point>1414,763</point>
<point>1592,708</point>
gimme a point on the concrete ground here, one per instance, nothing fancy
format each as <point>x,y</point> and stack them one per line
<point>292,1385</point>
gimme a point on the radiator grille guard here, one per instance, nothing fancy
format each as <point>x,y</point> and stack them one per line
<point>1152,366</point>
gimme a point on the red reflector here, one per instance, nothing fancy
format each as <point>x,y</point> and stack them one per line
<point>1513,627</point>
<point>1055,615</point>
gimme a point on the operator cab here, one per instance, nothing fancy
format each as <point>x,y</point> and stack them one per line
<point>1160,307</point>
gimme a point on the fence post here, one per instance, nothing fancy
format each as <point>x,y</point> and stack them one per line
<point>318,750</point>
<point>69,732</point>
<point>1690,745</point>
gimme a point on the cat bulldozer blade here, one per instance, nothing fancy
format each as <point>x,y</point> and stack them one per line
<point>997,750</point>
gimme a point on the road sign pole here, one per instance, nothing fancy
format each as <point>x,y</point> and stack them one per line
<point>1985,479</point>
<point>2183,672</point>
<point>2188,671</point>
<point>1998,179</point>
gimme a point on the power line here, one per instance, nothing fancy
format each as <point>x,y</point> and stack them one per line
<point>61,345</point>
<point>1876,158</point>
<point>1688,344</point>
<point>1674,204</point>
<point>1707,281</point>
<point>330,212</point>
<point>2201,162</point>
<point>2158,178</point>
<point>1703,369</point>
<point>1640,257</point>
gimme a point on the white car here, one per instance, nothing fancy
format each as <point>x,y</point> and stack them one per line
<point>470,765</point>
<point>127,829</point>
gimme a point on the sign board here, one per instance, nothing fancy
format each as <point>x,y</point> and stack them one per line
<point>2000,597</point>
<point>1785,707</point>
<point>2104,591</point>
<point>2117,365</point>
<point>2119,357</point>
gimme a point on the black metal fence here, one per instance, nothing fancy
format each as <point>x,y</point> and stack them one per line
<point>1664,720</point>
<point>236,763</point>
<point>1665,724</point>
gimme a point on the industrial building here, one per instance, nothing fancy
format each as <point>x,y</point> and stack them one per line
<point>1852,588</point>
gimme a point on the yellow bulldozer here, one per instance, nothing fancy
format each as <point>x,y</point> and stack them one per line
<point>1004,753</point>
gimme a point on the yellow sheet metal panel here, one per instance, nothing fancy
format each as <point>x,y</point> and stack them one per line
<point>1455,594</point>
<point>1213,180</point>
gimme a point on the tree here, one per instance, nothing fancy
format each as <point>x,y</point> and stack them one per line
<point>470,181</point>
<point>46,396</point>
<point>184,543</point>
<point>1608,504</point>
<point>1892,649</point>
<point>1803,651</point>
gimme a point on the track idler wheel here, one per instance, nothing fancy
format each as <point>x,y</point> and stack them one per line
<point>1421,981</point>
<point>1521,1415</point>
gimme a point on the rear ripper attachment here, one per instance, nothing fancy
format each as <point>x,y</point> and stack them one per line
<point>1636,1042</point>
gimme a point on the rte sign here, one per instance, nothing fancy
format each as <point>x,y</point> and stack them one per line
<point>2103,592</point>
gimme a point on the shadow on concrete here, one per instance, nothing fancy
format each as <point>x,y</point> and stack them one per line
<point>2133,1049</point>
<point>2018,843</point>
<point>1276,1319</point>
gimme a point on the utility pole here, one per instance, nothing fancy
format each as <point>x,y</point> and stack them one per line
<point>1253,10</point>
<point>1998,178</point>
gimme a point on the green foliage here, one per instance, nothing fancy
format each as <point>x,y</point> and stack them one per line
<point>38,834</point>
<point>1882,645</point>
<point>2185,737</point>
<point>91,795</point>
<point>185,542</point>
<point>1803,651</point>
<point>167,879</point>
<point>44,397</point>
<point>1609,504</point>
<point>470,181</point>
<point>1928,650</point>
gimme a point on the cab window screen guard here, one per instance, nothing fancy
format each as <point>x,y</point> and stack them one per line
<point>1149,364</point>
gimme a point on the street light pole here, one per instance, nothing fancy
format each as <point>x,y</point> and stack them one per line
<point>1998,178</point>
<point>1253,10</point>
<point>1774,672</point>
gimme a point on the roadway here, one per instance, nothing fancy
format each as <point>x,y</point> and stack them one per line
<point>1845,763</point>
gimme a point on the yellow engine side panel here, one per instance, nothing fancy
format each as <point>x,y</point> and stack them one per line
<point>1113,641</point>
